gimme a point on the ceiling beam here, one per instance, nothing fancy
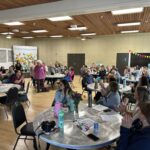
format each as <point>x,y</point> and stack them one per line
<point>67,7</point>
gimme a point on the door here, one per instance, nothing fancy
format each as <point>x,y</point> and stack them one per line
<point>76,61</point>
<point>122,61</point>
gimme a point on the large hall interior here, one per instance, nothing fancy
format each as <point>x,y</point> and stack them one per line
<point>75,74</point>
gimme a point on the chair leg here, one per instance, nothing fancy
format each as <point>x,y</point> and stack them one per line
<point>82,92</point>
<point>47,146</point>
<point>25,140</point>
<point>16,142</point>
<point>5,111</point>
<point>35,144</point>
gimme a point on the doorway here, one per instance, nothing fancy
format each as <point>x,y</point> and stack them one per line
<point>122,61</point>
<point>76,61</point>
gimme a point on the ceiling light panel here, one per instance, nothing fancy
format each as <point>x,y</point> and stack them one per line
<point>56,36</point>
<point>27,37</point>
<point>39,31</point>
<point>16,23</point>
<point>88,34</point>
<point>130,31</point>
<point>60,18</point>
<point>127,11</point>
<point>129,24</point>
<point>5,33</point>
<point>77,28</point>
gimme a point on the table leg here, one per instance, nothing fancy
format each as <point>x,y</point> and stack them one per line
<point>47,146</point>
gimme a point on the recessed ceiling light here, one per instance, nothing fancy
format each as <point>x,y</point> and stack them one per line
<point>60,18</point>
<point>127,11</point>
<point>77,28</point>
<point>16,23</point>
<point>56,36</point>
<point>27,37</point>
<point>39,31</point>
<point>5,33</point>
<point>129,24</point>
<point>88,34</point>
<point>130,31</point>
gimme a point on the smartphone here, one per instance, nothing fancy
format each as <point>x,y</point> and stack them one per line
<point>93,137</point>
<point>107,110</point>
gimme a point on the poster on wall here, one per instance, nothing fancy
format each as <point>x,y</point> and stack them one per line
<point>25,55</point>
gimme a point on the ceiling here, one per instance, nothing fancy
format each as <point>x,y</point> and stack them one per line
<point>103,23</point>
<point>9,4</point>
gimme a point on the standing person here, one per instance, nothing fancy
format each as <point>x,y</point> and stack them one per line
<point>32,72</point>
<point>40,74</point>
<point>18,65</point>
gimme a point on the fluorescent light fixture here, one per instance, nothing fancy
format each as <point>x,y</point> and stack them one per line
<point>88,34</point>
<point>27,37</point>
<point>39,31</point>
<point>130,31</point>
<point>129,24</point>
<point>60,18</point>
<point>6,33</point>
<point>16,23</point>
<point>8,36</point>
<point>77,28</point>
<point>56,36</point>
<point>127,11</point>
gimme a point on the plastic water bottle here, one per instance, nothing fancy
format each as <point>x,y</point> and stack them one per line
<point>124,83</point>
<point>61,121</point>
<point>96,129</point>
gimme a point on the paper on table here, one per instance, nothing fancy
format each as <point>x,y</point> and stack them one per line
<point>85,124</point>
<point>113,117</point>
<point>100,107</point>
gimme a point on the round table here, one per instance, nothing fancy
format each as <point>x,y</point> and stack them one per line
<point>132,80</point>
<point>121,88</point>
<point>5,87</point>
<point>53,78</point>
<point>73,137</point>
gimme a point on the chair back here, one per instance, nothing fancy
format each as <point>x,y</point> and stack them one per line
<point>27,89</point>
<point>84,83</point>
<point>12,96</point>
<point>18,115</point>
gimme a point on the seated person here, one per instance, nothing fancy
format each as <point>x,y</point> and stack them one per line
<point>102,72</point>
<point>136,137</point>
<point>18,78</point>
<point>104,89</point>
<point>112,98</point>
<point>8,75</point>
<point>63,93</point>
<point>67,76</point>
<point>87,79</point>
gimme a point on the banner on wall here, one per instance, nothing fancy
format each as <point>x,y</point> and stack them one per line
<point>25,55</point>
<point>139,55</point>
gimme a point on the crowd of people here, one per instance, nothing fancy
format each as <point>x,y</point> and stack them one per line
<point>135,127</point>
